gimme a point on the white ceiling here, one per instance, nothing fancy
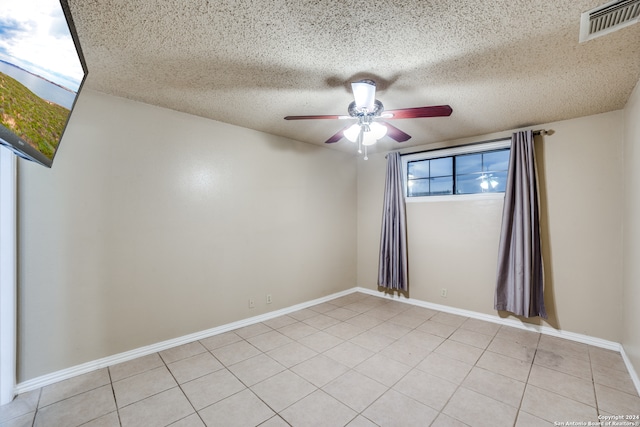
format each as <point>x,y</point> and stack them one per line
<point>499,64</point>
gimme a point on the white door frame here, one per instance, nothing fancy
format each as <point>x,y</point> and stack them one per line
<point>8,271</point>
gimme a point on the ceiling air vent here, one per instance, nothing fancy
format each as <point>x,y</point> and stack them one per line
<point>608,18</point>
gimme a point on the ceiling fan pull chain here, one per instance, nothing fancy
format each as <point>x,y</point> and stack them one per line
<point>365,153</point>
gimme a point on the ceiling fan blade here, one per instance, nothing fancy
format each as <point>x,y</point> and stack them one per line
<point>395,133</point>
<point>337,136</point>
<point>364,93</point>
<point>417,112</point>
<point>314,117</point>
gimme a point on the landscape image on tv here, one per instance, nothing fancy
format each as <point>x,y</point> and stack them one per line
<point>41,73</point>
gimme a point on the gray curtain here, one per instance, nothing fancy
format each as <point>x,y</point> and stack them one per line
<point>392,266</point>
<point>520,279</point>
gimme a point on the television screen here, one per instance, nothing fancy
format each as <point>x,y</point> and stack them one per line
<point>41,73</point>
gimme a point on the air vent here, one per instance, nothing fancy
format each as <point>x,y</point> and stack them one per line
<point>608,18</point>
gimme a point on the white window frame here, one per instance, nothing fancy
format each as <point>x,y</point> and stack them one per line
<point>449,152</point>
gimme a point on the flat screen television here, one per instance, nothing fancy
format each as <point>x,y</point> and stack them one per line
<point>42,71</point>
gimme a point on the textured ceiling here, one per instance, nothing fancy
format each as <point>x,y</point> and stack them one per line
<point>499,64</point>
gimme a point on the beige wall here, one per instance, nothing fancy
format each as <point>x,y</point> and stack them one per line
<point>454,244</point>
<point>631,289</point>
<point>154,224</point>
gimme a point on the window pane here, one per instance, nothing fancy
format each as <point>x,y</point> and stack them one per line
<point>441,167</point>
<point>440,186</point>
<point>469,183</point>
<point>496,161</point>
<point>469,163</point>
<point>417,187</point>
<point>418,169</point>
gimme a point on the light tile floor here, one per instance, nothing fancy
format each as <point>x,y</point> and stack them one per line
<point>358,360</point>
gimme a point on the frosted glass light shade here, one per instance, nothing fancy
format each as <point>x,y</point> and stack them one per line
<point>378,130</point>
<point>352,132</point>
<point>364,93</point>
<point>368,138</point>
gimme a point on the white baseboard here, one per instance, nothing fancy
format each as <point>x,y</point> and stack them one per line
<point>93,365</point>
<point>84,368</point>
<point>585,339</point>
<point>632,371</point>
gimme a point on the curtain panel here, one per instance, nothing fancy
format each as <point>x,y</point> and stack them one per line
<point>520,278</point>
<point>392,265</point>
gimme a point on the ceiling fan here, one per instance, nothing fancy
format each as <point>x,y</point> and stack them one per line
<point>368,111</point>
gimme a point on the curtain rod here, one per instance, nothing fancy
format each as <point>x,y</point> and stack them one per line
<point>535,132</point>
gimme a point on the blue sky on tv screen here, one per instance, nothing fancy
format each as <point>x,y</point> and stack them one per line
<point>34,36</point>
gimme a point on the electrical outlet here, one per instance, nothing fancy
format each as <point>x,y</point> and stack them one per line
<point>252,303</point>
<point>443,292</point>
<point>269,301</point>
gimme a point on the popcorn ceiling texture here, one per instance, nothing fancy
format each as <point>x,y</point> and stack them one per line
<point>499,64</point>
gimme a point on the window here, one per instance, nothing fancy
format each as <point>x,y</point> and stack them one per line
<point>472,169</point>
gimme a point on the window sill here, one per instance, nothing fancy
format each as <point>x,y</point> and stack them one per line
<point>455,198</point>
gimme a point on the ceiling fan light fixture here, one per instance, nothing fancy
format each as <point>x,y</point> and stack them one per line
<point>351,133</point>
<point>368,138</point>
<point>378,130</point>
<point>366,109</point>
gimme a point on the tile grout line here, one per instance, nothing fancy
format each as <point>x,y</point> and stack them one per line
<point>526,383</point>
<point>276,413</point>
<point>388,388</point>
<point>35,414</point>
<point>41,391</point>
<point>247,387</point>
<point>179,386</point>
<point>593,384</point>
<point>113,393</point>
<point>317,388</point>
<point>352,369</point>
<point>440,411</point>
<point>458,386</point>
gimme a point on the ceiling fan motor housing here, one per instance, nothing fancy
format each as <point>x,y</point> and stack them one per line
<point>356,112</point>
